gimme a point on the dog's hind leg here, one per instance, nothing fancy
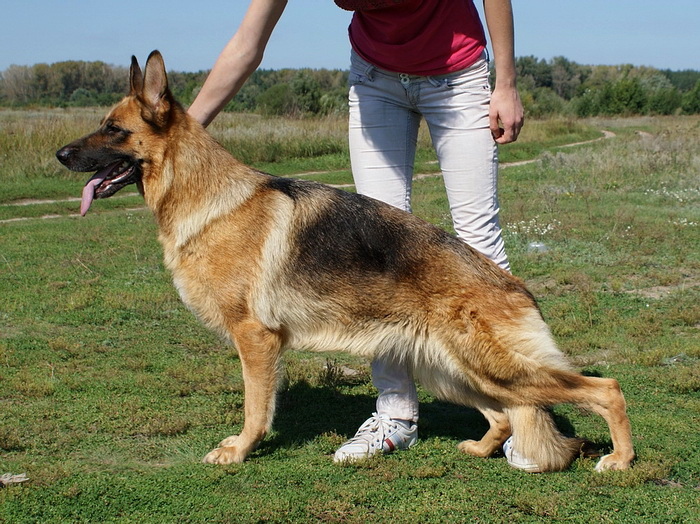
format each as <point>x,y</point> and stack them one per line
<point>498,432</point>
<point>602,395</point>
<point>259,350</point>
<point>458,391</point>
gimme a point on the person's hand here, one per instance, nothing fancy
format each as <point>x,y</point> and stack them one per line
<point>506,115</point>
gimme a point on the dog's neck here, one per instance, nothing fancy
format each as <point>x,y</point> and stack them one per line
<point>199,182</point>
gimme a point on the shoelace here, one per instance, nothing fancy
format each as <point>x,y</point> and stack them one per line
<point>373,427</point>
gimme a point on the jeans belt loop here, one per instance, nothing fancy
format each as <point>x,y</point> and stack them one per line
<point>370,72</point>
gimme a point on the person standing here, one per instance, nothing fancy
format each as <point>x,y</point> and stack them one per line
<point>410,60</point>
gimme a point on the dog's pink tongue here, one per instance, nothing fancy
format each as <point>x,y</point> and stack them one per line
<point>89,194</point>
<point>89,189</point>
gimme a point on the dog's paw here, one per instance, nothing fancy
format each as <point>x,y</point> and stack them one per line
<point>612,463</point>
<point>224,455</point>
<point>228,441</point>
<point>475,448</point>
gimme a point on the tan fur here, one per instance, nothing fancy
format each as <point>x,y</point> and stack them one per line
<point>273,264</point>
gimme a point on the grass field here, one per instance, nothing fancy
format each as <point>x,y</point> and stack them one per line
<point>111,392</point>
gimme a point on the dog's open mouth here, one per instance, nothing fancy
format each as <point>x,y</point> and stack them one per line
<point>108,181</point>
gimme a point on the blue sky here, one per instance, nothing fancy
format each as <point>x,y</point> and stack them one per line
<point>313,33</point>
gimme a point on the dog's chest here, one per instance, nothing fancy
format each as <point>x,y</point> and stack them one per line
<point>185,281</point>
<point>200,301</point>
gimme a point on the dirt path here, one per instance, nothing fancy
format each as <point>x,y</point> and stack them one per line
<point>32,202</point>
<point>606,135</point>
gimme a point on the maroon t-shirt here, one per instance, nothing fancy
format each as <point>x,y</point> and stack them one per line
<point>419,37</point>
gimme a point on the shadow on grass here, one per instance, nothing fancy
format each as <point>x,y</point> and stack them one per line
<point>304,412</point>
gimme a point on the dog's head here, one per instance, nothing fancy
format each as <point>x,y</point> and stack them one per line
<point>119,151</point>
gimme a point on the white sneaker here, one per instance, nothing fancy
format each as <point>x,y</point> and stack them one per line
<point>378,434</point>
<point>516,460</point>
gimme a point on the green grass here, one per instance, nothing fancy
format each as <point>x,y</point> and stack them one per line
<point>111,392</point>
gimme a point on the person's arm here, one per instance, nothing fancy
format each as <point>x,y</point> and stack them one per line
<point>506,106</point>
<point>238,60</point>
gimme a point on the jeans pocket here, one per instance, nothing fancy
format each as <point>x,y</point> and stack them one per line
<point>475,78</point>
<point>355,78</point>
<point>361,71</point>
<point>467,83</point>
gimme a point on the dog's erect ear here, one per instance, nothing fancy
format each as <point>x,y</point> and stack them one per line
<point>135,77</point>
<point>154,91</point>
<point>155,82</point>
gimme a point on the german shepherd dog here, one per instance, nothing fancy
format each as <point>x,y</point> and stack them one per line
<point>272,263</point>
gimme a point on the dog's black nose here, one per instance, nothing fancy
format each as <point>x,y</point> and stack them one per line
<point>64,154</point>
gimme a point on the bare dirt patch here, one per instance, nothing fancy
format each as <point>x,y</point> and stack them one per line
<point>659,292</point>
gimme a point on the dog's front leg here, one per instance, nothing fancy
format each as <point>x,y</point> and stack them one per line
<point>259,350</point>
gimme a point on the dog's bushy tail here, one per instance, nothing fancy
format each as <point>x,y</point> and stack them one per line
<point>536,437</point>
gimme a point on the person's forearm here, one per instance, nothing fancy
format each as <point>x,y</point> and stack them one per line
<point>241,56</point>
<point>225,79</point>
<point>499,20</point>
<point>505,109</point>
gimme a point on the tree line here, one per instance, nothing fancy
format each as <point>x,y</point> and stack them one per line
<point>547,87</point>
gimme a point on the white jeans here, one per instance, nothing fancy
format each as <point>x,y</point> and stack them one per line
<point>385,113</point>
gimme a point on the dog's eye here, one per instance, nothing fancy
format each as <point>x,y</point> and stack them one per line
<point>111,129</point>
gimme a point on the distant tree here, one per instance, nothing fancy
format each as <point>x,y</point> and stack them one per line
<point>558,86</point>
<point>662,98</point>
<point>628,97</point>
<point>600,76</point>
<point>185,86</point>
<point>691,100</point>
<point>44,83</point>
<point>334,102</point>
<point>664,101</point>
<point>545,102</point>
<point>66,78</point>
<point>17,85</point>
<point>683,80</point>
<point>566,77</point>
<point>534,71</point>
<point>586,104</point>
<point>83,97</point>
<point>277,100</point>
<point>306,91</point>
